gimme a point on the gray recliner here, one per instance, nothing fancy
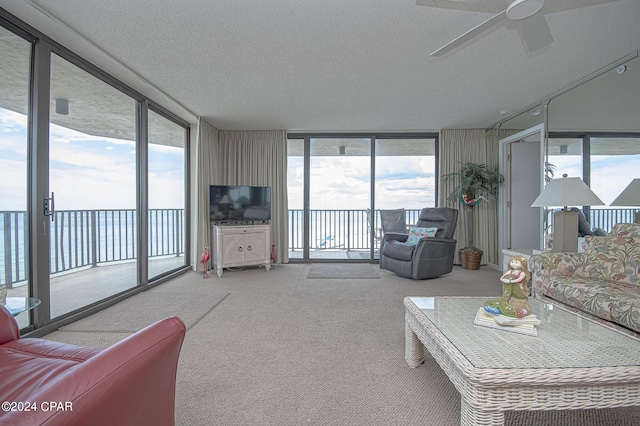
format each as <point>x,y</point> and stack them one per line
<point>431,256</point>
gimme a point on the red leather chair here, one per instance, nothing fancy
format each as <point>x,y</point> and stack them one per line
<point>130,383</point>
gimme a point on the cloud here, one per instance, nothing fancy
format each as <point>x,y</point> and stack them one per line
<point>345,183</point>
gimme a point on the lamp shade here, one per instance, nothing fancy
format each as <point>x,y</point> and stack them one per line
<point>567,191</point>
<point>630,196</point>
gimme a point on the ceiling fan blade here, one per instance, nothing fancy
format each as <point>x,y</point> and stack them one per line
<point>470,34</point>
<point>535,32</point>
<point>487,6</point>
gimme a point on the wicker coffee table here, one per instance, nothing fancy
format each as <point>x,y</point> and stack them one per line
<point>573,363</point>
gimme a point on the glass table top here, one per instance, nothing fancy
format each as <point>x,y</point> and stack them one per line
<point>565,340</point>
<point>17,305</point>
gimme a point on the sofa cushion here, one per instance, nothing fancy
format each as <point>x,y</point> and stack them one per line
<point>614,301</point>
<point>416,233</point>
<point>398,250</point>
<point>626,230</point>
<point>611,259</point>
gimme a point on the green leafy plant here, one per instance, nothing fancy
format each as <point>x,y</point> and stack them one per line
<point>473,183</point>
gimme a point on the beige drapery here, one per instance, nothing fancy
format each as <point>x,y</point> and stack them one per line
<point>461,146</point>
<point>206,139</point>
<point>231,157</point>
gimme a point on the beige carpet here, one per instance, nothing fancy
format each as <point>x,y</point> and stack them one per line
<point>281,349</point>
<point>343,271</point>
<point>189,296</point>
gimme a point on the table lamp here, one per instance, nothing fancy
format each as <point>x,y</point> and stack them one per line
<point>630,197</point>
<point>563,192</point>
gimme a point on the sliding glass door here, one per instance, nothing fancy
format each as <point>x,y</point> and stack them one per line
<point>334,203</point>
<point>92,179</point>
<point>94,183</point>
<point>339,188</point>
<point>14,159</point>
<point>405,176</point>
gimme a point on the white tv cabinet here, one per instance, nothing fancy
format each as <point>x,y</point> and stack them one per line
<point>241,245</point>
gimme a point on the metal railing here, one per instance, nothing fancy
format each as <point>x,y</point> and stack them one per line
<point>338,229</point>
<point>84,238</point>
<point>605,219</point>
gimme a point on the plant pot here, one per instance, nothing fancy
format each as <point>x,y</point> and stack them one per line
<point>470,258</point>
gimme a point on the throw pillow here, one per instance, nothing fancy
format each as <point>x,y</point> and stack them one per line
<point>415,233</point>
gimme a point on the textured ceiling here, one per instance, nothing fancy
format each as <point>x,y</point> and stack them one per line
<point>330,65</point>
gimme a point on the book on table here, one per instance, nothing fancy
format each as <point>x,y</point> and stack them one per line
<point>525,325</point>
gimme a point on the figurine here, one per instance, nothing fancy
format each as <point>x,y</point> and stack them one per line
<point>515,291</point>
<point>204,259</point>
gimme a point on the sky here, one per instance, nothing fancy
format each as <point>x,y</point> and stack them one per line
<point>344,182</point>
<point>87,172</point>
<point>610,175</point>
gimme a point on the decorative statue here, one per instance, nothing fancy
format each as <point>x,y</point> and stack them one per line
<point>515,291</point>
<point>204,259</point>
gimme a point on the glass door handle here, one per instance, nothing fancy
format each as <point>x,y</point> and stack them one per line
<point>50,206</point>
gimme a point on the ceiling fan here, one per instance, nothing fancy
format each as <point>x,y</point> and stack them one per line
<point>527,16</point>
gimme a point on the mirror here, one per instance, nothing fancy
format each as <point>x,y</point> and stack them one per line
<point>591,131</point>
<point>594,133</point>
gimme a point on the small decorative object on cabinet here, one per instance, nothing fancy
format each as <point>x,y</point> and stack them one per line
<point>241,246</point>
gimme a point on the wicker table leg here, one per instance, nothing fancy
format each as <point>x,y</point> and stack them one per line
<point>470,416</point>
<point>413,347</point>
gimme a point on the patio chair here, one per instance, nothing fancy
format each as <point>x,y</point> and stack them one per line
<point>429,257</point>
<point>393,221</point>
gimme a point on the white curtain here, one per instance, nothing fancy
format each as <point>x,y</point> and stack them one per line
<point>241,158</point>
<point>461,146</point>
<point>206,140</point>
<point>257,157</point>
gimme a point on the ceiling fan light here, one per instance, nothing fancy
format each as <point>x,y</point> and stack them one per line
<point>522,9</point>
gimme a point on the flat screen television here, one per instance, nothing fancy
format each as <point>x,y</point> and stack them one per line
<point>238,204</point>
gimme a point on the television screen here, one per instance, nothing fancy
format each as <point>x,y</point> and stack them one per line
<point>234,203</point>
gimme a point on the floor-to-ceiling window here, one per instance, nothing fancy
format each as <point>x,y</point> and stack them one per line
<point>94,181</point>
<point>14,142</point>
<point>167,195</point>
<point>338,183</point>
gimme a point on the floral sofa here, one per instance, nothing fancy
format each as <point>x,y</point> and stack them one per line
<point>602,282</point>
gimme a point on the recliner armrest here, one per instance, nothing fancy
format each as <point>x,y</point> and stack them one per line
<point>422,247</point>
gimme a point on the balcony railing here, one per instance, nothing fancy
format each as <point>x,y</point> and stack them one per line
<point>338,229</point>
<point>85,238</point>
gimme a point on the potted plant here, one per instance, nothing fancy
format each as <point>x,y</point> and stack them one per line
<point>473,183</point>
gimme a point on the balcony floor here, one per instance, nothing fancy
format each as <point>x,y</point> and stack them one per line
<point>77,288</point>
